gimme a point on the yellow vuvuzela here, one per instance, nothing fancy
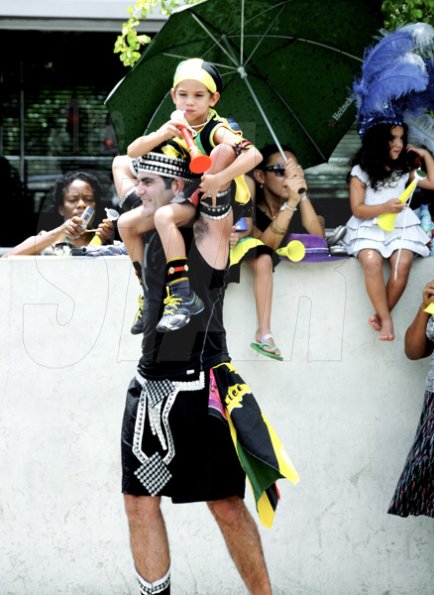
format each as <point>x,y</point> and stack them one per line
<point>387,220</point>
<point>430,308</point>
<point>294,251</point>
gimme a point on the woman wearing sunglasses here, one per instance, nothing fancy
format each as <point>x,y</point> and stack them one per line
<point>281,205</point>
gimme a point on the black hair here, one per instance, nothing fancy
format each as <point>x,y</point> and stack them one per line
<point>374,154</point>
<point>269,150</point>
<point>212,70</point>
<point>62,184</point>
<point>266,153</point>
<point>48,219</point>
<point>167,182</point>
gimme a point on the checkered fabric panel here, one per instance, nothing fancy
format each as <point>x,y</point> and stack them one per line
<point>153,474</point>
<point>157,390</point>
<point>158,587</point>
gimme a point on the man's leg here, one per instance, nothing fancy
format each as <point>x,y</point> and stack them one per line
<point>243,541</point>
<point>149,544</point>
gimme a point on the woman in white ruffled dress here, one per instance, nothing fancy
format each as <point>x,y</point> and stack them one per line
<point>380,173</point>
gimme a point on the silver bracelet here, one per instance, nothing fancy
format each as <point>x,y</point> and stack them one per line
<point>287,206</point>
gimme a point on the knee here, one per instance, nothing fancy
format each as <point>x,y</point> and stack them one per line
<point>373,266</point>
<point>122,223</point>
<point>120,162</point>
<point>163,217</point>
<point>403,270</point>
<point>141,509</point>
<point>263,265</point>
<point>227,511</point>
<point>222,156</point>
<point>125,225</point>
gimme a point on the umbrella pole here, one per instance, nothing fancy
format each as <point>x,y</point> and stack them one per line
<point>243,75</point>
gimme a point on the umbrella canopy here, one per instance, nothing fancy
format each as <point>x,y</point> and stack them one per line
<point>287,69</point>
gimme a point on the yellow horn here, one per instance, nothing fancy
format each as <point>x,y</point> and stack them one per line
<point>295,250</point>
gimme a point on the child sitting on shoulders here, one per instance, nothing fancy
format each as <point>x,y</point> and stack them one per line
<point>196,90</point>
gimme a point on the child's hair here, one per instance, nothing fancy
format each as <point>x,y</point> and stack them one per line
<point>198,70</point>
<point>374,154</point>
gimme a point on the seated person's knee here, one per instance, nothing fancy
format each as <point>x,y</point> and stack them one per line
<point>264,263</point>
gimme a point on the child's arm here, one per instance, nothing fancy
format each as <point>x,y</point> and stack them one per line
<point>428,182</point>
<point>362,211</point>
<point>146,143</point>
<point>417,346</point>
<point>246,160</point>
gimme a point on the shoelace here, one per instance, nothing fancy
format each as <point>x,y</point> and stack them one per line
<point>171,302</point>
<point>139,313</point>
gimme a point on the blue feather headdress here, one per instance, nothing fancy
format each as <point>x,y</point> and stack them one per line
<point>397,77</point>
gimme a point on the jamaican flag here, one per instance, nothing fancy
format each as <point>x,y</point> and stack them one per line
<point>259,449</point>
<point>248,247</point>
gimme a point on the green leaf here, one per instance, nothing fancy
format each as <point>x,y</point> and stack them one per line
<point>127,44</point>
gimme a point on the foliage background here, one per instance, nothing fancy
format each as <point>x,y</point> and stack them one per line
<point>130,43</point>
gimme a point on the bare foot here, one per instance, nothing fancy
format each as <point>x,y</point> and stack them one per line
<point>386,331</point>
<point>375,323</point>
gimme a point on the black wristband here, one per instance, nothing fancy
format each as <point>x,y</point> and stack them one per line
<point>131,202</point>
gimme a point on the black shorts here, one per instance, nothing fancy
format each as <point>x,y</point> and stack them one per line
<point>172,446</point>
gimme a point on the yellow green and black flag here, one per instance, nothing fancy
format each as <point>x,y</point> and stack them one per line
<point>259,449</point>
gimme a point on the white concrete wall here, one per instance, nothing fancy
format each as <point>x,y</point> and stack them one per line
<point>345,404</point>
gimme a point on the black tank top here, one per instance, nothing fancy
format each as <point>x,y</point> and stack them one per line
<point>199,345</point>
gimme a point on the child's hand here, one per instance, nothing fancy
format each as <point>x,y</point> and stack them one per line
<point>210,185</point>
<point>417,150</point>
<point>169,130</point>
<point>394,205</point>
<point>428,293</point>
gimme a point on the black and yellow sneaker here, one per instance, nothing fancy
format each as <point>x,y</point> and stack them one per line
<point>137,327</point>
<point>180,305</point>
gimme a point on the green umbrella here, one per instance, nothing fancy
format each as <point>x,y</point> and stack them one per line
<point>287,69</point>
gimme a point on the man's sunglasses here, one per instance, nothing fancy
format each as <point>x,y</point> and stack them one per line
<point>277,169</point>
